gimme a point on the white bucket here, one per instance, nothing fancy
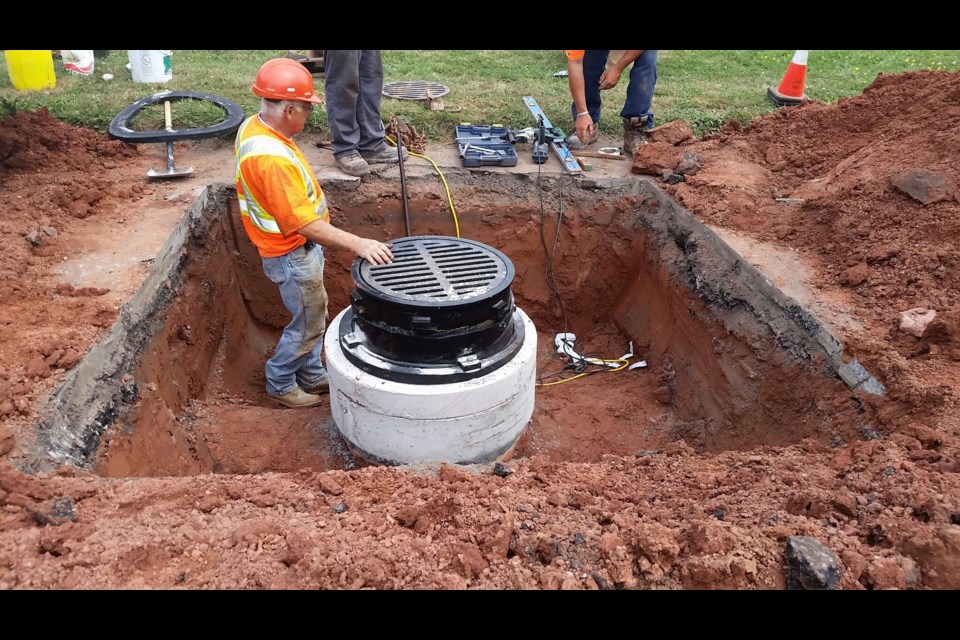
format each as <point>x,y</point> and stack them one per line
<point>151,66</point>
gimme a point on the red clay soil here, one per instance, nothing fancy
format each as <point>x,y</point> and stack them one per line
<point>863,191</point>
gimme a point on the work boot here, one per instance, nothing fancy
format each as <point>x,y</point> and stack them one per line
<point>385,155</point>
<point>353,165</point>
<point>321,388</point>
<point>573,142</point>
<point>297,398</point>
<point>634,134</point>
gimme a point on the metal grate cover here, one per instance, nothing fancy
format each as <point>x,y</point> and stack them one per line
<point>436,269</point>
<point>442,311</point>
<point>414,90</point>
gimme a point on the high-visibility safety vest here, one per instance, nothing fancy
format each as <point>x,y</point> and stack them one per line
<point>276,189</point>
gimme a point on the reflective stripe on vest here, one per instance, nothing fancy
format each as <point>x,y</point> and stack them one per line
<point>265,145</point>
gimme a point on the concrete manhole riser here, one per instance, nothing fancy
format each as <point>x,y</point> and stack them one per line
<point>469,422</point>
<point>678,291</point>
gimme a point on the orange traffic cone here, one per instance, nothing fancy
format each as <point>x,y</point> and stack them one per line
<point>790,91</point>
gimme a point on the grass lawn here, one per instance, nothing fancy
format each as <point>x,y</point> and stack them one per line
<point>702,87</point>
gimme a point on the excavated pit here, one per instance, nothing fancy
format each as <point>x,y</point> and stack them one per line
<point>176,386</point>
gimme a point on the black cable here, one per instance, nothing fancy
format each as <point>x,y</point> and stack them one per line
<point>403,180</point>
<point>548,255</point>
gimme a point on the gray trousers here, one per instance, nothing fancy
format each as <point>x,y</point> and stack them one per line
<point>353,88</point>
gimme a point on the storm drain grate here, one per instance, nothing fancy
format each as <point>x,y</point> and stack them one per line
<point>438,269</point>
<point>414,90</point>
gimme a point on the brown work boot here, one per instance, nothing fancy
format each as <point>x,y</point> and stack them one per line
<point>297,398</point>
<point>321,388</point>
<point>386,155</point>
<point>634,134</point>
<point>353,165</point>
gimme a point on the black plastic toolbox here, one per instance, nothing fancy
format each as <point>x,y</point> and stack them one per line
<point>485,146</point>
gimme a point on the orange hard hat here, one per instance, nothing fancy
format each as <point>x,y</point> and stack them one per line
<point>285,79</point>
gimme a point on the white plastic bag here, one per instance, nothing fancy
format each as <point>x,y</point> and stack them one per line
<point>78,61</point>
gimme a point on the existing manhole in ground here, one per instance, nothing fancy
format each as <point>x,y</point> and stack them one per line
<point>177,386</point>
<point>414,90</point>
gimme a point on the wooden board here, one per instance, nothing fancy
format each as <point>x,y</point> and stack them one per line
<point>594,154</point>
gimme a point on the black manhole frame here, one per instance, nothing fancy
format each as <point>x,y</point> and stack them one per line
<point>426,340</point>
<point>356,350</point>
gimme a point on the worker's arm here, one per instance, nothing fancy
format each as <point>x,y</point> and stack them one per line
<point>584,123</point>
<point>327,235</point>
<point>611,75</point>
<point>282,185</point>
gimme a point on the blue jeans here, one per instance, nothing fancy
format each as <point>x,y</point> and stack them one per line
<point>643,78</point>
<point>296,359</point>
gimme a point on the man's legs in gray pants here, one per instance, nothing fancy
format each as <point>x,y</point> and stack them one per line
<point>353,89</point>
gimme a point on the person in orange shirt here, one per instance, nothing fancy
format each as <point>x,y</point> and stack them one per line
<point>285,214</point>
<point>591,71</point>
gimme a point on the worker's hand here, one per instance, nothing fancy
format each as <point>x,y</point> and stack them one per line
<point>585,128</point>
<point>374,251</point>
<point>609,79</point>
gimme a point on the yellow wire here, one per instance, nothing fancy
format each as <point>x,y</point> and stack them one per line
<point>625,364</point>
<point>453,210</point>
<point>456,224</point>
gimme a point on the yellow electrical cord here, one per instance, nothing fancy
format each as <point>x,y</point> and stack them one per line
<point>456,224</point>
<point>625,364</point>
<point>453,210</point>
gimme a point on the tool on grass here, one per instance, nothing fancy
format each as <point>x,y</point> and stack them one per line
<point>552,136</point>
<point>528,134</point>
<point>540,152</point>
<point>403,179</point>
<point>485,145</point>
<point>172,171</point>
<point>489,152</point>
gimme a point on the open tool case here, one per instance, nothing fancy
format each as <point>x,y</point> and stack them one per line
<point>485,146</point>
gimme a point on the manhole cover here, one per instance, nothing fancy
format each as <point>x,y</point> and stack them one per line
<point>443,310</point>
<point>436,271</point>
<point>414,90</point>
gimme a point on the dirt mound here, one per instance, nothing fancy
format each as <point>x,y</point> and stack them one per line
<point>866,185</point>
<point>863,190</point>
<point>51,174</point>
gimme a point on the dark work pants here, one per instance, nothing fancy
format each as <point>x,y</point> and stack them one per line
<point>353,88</point>
<point>643,79</point>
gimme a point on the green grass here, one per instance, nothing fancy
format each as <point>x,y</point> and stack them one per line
<point>702,87</point>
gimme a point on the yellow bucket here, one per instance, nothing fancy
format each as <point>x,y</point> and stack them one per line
<point>31,70</point>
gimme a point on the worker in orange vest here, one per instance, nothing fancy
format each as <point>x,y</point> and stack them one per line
<point>591,71</point>
<point>285,214</point>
